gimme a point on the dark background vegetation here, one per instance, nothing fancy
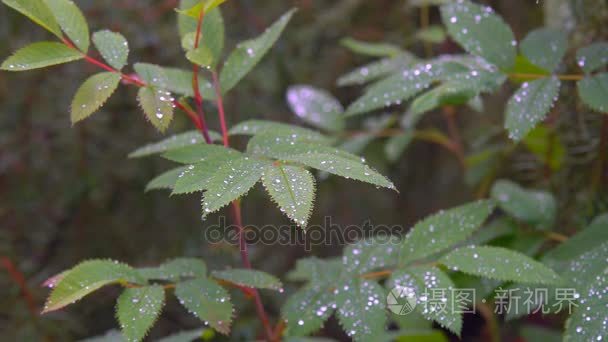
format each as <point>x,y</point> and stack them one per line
<point>69,193</point>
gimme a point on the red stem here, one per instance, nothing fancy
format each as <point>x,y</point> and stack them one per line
<point>199,122</point>
<point>220,106</point>
<point>18,277</point>
<point>259,306</point>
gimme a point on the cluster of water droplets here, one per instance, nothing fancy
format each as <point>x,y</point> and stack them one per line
<point>166,100</point>
<point>529,105</point>
<point>361,308</point>
<point>292,188</point>
<point>369,254</point>
<point>375,70</point>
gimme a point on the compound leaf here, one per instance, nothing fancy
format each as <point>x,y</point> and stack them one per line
<point>92,94</point>
<point>40,55</point>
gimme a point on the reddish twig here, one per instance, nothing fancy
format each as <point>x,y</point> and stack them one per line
<point>19,279</point>
<point>220,106</point>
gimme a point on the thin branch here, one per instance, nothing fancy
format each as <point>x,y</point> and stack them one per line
<point>19,279</point>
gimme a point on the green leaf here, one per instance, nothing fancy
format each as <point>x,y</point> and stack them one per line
<point>592,57</point>
<point>157,105</point>
<point>538,333</point>
<point>166,180</point>
<point>524,70</point>
<point>137,309</point>
<point>434,295</point>
<point>455,92</point>
<point>584,269</point>
<point>321,157</point>
<point>547,146</point>
<point>587,239</point>
<point>588,322</point>
<point>316,270</point>
<point>369,254</point>
<point>395,145</point>
<point>593,90</point>
<point>249,278</point>
<point>292,188</point>
<point>444,229</point>
<point>231,181</point>
<point>534,207</point>
<point>433,34</point>
<point>197,176</point>
<point>370,48</point>
<point>202,57</point>
<point>499,263</point>
<point>481,32</point>
<point>176,269</point>
<point>401,86</point>
<point>174,80</point>
<point>173,142</point>
<point>198,153</point>
<point>72,22</point>
<point>40,55</point>
<point>316,107</point>
<point>203,6</point>
<point>87,277</point>
<point>377,69</point>
<point>208,301</point>
<point>529,106</point>
<point>545,48</point>
<point>92,94</point>
<point>211,37</point>
<point>189,336</point>
<point>306,310</point>
<point>38,12</point>
<point>361,309</point>
<point>249,53</point>
<point>113,47</point>
<point>255,127</point>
